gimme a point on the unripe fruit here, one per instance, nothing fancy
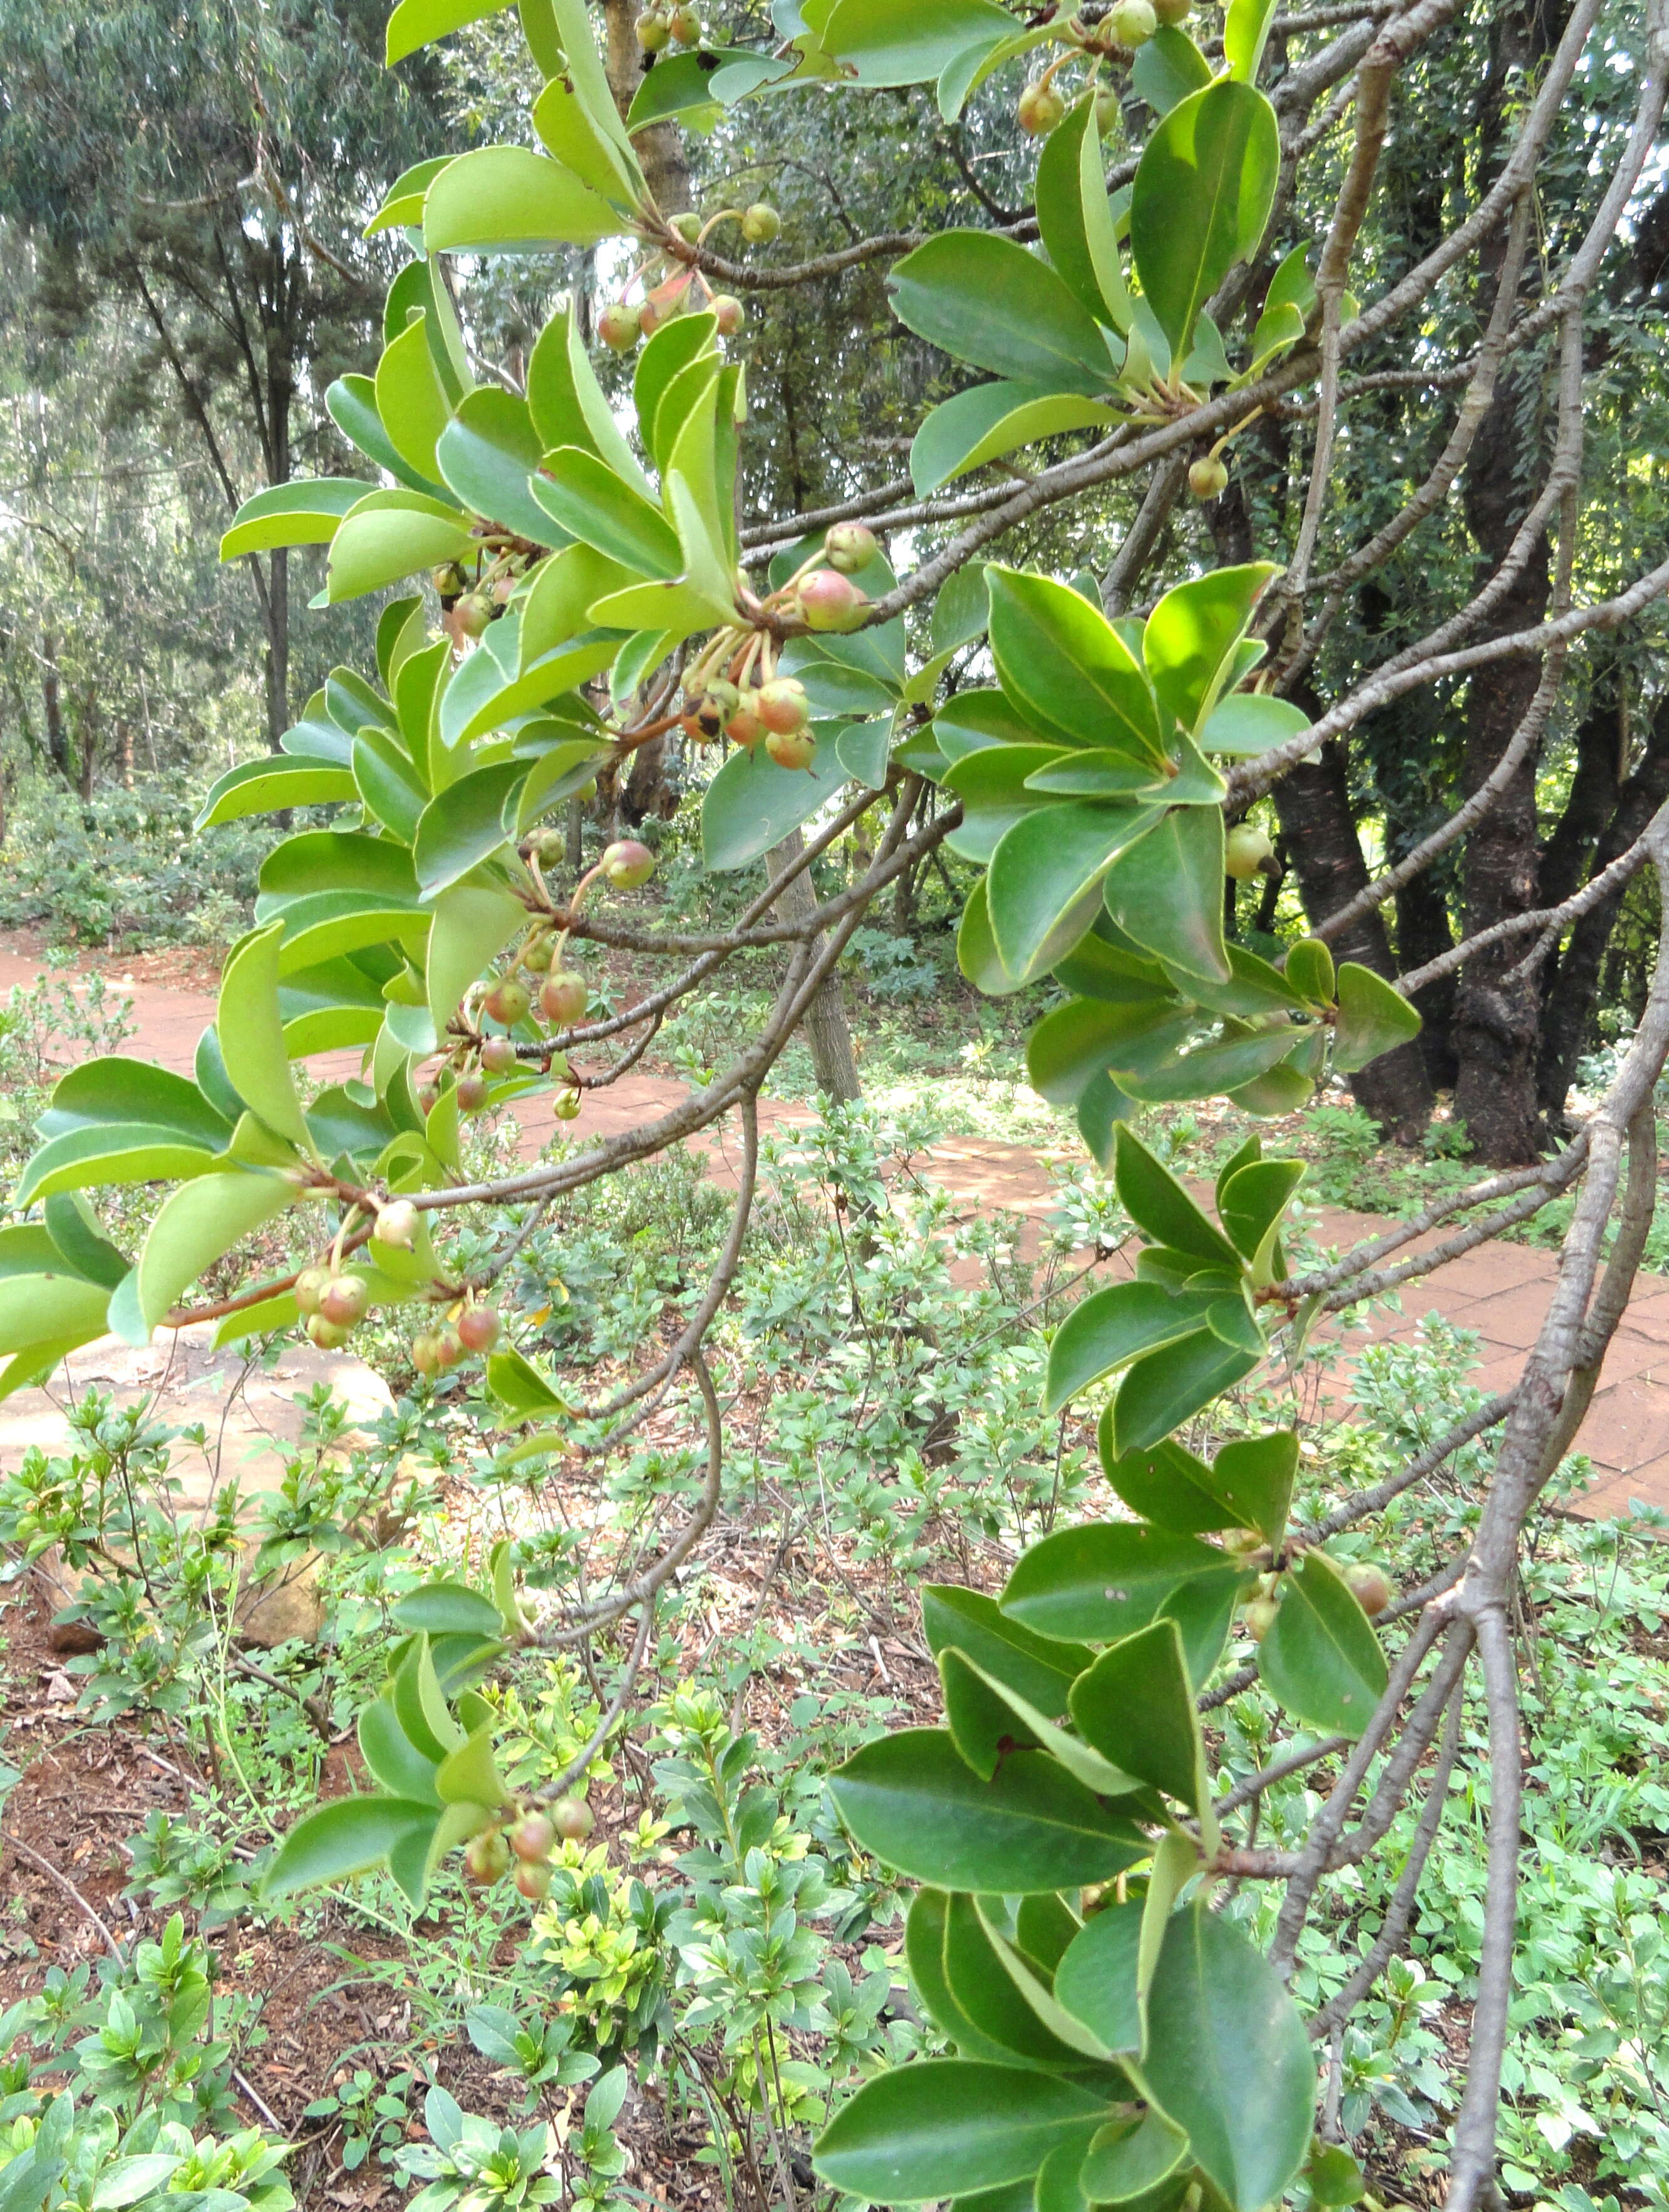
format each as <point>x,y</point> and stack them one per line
<point>652,31</point>
<point>1245,851</point>
<point>549,845</point>
<point>326,1334</point>
<point>564,995</point>
<point>572,1818</point>
<point>849,546</point>
<point>448,1346</point>
<point>1371,1589</point>
<point>498,1056</point>
<point>478,1328</point>
<point>1173,11</point>
<point>1106,109</point>
<point>1133,22</point>
<point>472,614</point>
<point>396,1225</point>
<point>425,1353</point>
<point>790,748</point>
<point>567,1106</point>
<point>685,25</point>
<point>471,1094</point>
<point>782,705</point>
<point>504,589</point>
<point>533,1837</point>
<point>538,956</point>
<point>688,225</point>
<point>345,1300</point>
<point>310,1285</point>
<point>627,864</point>
<point>533,1882</point>
<point>744,726</point>
<point>728,313</point>
<point>586,792</point>
<point>830,600</point>
<point>428,1097</point>
<point>620,326</point>
<point>486,1857</point>
<point>1208,478</point>
<point>448,579</point>
<point>1040,108</point>
<point>1258,1614</point>
<point>508,1001</point>
<point>761,224</point>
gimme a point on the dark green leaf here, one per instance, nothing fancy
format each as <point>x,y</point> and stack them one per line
<point>1043,869</point>
<point>1112,1327</point>
<point>1136,1706</point>
<point>752,804</point>
<point>943,2126</point>
<point>1320,1657</point>
<point>1101,1582</point>
<point>1041,1668</point>
<point>985,299</point>
<point>348,1836</point>
<point>1157,1202</point>
<point>1167,893</point>
<point>1170,1387</point>
<point>1372,1018</point>
<point>1067,669</point>
<point>1096,1976</point>
<point>1131,2156</point>
<point>1202,191</point>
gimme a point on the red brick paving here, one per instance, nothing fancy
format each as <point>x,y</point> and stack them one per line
<point>1499,1290</point>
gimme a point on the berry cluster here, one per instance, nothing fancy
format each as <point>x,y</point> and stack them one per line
<point>1127,25</point>
<point>733,690</point>
<point>526,1845</point>
<point>1366,1583</point>
<point>677,287</point>
<point>657,28</point>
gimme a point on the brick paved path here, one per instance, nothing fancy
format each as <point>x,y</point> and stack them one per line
<point>1500,1290</point>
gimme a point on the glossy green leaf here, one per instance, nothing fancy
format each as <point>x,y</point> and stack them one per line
<point>416,23</point>
<point>393,1758</point>
<point>1041,1668</point>
<point>1167,68</point>
<point>348,1836</point>
<point>508,199</point>
<point>598,157</point>
<point>943,2126</point>
<point>989,420</point>
<point>886,45</point>
<point>1203,1070</point>
<point>250,1028</point>
<point>915,1803</point>
<point>583,494</point>
<point>464,825</point>
<point>389,536</point>
<point>487,453</point>
<point>751,804</point>
<point>1372,1018</point>
<point>115,1088</point>
<point>1202,195</point>
<point>990,783</point>
<point>73,1233</point>
<point>304,512</point>
<point>1102,1581</point>
<point>1075,217</point>
<point>388,783</point>
<point>1247,723</point>
<point>472,924</point>
<point>1190,636</point>
<point>1320,1657</point>
<point>1068,670</point>
<point>447,1608</point>
<point>1310,971</point>
<point>709,78</point>
<point>468,1775</point>
<point>1253,1477</point>
<point>111,1153</point>
<point>351,403</point>
<point>990,1722</point>
<point>1129,2157</point>
<point>1044,867</point>
<point>984,299</point>
<point>517,1385</point>
<point>1245,30</point>
<point>1096,1976</point>
<point>1170,1387</point>
<point>1112,1327</point>
<point>411,400</point>
<point>54,1308</point>
<point>202,1221</point>
<point>1136,1706</point>
<point>987,1994</point>
<point>1162,1210</point>
<point>1165,1484</point>
<point>262,786</point>
<point>1166,891</point>
<point>1251,1204</point>
<point>1072,1047</point>
<point>1229,2060</point>
<point>924,1952</point>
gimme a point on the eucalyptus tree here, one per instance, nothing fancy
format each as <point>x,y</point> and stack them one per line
<point>1097,746</point>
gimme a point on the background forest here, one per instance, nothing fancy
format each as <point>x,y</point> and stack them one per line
<point>698,1987</point>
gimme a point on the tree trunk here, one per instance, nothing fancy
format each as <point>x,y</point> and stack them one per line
<point>277,651</point>
<point>1314,809</point>
<point>1422,933</point>
<point>1572,985</point>
<point>826,1029</point>
<point>51,701</point>
<point>659,150</point>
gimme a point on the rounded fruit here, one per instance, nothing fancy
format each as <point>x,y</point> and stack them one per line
<point>1208,478</point>
<point>1369,1587</point>
<point>549,845</point>
<point>1244,850</point>
<point>627,864</point>
<point>472,614</point>
<point>533,1882</point>
<point>564,995</point>
<point>533,1837</point>
<point>428,1097</point>
<point>728,313</point>
<point>652,31</point>
<point>790,748</point>
<point>478,1328</point>
<point>620,326</point>
<point>395,1223</point>
<point>1133,22</point>
<point>572,1818</point>
<point>425,1355</point>
<point>472,1094</point>
<point>1107,108</point>
<point>1258,1614</point>
<point>448,1346</point>
<point>486,1857</point>
<point>1173,11</point>
<point>761,224</point>
<point>345,1300</point>
<point>1040,108</point>
<point>688,225</point>
<point>309,1286</point>
<point>326,1334</point>
<point>744,726</point>
<point>567,1105</point>
<point>537,957</point>
<point>498,1056</point>
<point>830,600</point>
<point>849,546</point>
<point>782,705</point>
<point>448,579</point>
<point>685,25</point>
<point>508,1001</point>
